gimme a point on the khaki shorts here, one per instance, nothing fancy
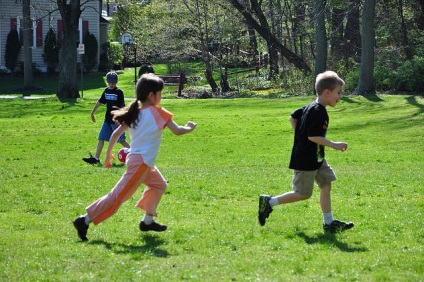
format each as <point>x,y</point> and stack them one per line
<point>303,181</point>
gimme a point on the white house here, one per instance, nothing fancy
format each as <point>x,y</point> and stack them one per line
<point>44,14</point>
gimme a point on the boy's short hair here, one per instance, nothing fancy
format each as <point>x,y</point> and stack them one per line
<point>327,80</point>
<point>112,77</point>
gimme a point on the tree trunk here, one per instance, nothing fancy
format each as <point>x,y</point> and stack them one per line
<point>27,29</point>
<point>68,82</point>
<point>404,32</point>
<point>264,32</point>
<point>352,37</point>
<point>366,78</point>
<point>320,37</point>
<point>420,18</point>
<point>336,38</point>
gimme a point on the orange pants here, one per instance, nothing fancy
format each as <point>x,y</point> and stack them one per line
<point>136,174</point>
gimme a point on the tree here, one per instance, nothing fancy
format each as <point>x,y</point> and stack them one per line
<point>51,51</point>
<point>13,47</point>
<point>27,30</point>
<point>265,33</point>
<point>70,13</point>
<point>89,59</point>
<point>366,77</point>
<point>200,11</point>
<point>320,36</point>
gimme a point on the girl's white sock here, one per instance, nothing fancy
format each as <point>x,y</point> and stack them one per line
<point>87,219</point>
<point>328,217</point>
<point>273,201</point>
<point>147,219</point>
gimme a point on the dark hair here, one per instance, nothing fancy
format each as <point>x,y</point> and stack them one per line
<point>327,80</point>
<point>145,85</point>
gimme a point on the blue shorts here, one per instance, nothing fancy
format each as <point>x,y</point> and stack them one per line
<point>107,130</point>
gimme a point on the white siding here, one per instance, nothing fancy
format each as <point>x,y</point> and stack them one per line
<point>40,9</point>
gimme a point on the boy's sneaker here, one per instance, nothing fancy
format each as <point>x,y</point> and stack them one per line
<point>264,209</point>
<point>91,159</point>
<point>81,227</point>
<point>154,226</point>
<point>337,226</point>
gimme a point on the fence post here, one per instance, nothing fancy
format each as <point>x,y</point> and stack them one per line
<point>181,84</point>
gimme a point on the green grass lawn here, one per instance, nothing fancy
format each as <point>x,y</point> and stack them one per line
<point>239,150</point>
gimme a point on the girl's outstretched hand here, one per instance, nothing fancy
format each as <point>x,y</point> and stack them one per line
<point>191,124</point>
<point>108,161</point>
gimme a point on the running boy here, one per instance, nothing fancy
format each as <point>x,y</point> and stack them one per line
<point>145,123</point>
<point>310,125</point>
<point>113,97</point>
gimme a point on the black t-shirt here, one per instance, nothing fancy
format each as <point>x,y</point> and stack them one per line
<point>112,98</point>
<point>312,120</point>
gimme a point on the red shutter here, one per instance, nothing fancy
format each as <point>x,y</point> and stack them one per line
<point>39,33</point>
<point>59,32</point>
<point>84,28</point>
<point>13,23</point>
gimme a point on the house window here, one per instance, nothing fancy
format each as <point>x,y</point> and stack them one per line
<point>36,34</point>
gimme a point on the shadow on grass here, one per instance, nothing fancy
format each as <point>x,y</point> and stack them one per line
<point>151,247</point>
<point>330,239</point>
<point>412,100</point>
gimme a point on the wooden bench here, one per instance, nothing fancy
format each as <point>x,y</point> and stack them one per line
<point>175,80</point>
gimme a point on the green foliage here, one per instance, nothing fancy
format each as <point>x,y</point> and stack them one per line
<point>409,76</point>
<point>13,47</point>
<point>112,56</point>
<point>116,53</point>
<point>240,149</point>
<point>51,51</point>
<point>90,57</point>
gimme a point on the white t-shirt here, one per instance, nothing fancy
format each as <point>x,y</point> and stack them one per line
<point>147,135</point>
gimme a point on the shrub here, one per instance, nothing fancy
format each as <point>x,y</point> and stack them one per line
<point>409,76</point>
<point>116,53</point>
<point>13,47</point>
<point>89,59</point>
<point>51,51</point>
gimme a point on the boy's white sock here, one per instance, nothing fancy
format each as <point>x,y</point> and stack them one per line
<point>147,219</point>
<point>273,201</point>
<point>328,217</point>
<point>87,219</point>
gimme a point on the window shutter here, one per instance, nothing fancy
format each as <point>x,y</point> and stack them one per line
<point>84,28</point>
<point>39,33</point>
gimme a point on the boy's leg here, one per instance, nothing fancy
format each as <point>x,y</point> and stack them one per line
<point>125,144</point>
<point>324,178</point>
<point>303,185</point>
<point>122,138</point>
<point>99,148</point>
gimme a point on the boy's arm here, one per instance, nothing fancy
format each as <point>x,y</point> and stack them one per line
<point>178,129</point>
<point>293,122</point>
<point>112,142</point>
<point>93,111</point>
<point>325,142</point>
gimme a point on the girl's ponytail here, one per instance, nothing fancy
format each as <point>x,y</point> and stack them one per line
<point>127,115</point>
<point>147,83</point>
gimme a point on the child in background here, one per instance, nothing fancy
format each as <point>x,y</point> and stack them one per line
<point>113,97</point>
<point>310,124</point>
<point>145,125</point>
